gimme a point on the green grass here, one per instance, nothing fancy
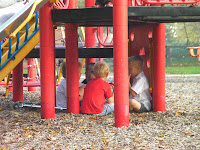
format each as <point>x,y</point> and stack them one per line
<point>184,63</point>
<point>177,67</point>
<point>183,70</point>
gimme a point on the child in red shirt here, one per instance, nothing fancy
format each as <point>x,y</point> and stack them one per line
<point>97,91</point>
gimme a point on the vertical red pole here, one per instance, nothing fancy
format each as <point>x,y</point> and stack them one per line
<point>90,33</point>
<point>11,87</point>
<point>120,55</point>
<point>47,62</point>
<point>159,67</point>
<point>130,2</point>
<point>18,82</point>
<point>101,37</point>
<point>32,73</point>
<point>72,84</point>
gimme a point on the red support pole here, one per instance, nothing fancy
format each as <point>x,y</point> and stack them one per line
<point>71,53</point>
<point>130,2</point>
<point>90,33</point>
<point>11,87</point>
<point>32,73</point>
<point>120,55</point>
<point>18,82</point>
<point>101,37</point>
<point>73,4</point>
<point>159,67</point>
<point>47,62</point>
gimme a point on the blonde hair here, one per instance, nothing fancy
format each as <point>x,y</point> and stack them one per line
<point>101,69</point>
<point>64,68</point>
<point>137,61</point>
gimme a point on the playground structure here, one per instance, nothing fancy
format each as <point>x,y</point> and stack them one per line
<point>30,79</point>
<point>137,29</point>
<point>191,51</point>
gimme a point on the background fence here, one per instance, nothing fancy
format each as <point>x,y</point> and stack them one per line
<point>178,61</point>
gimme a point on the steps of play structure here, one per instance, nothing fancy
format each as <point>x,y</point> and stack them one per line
<point>20,46</point>
<point>5,48</point>
<point>23,32</point>
<point>83,52</point>
<point>19,56</point>
<point>137,15</point>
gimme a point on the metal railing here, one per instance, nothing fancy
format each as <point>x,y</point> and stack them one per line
<point>61,4</point>
<point>162,2</point>
<point>11,56</point>
<point>103,43</point>
<point>191,51</point>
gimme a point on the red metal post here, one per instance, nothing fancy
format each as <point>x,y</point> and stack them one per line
<point>73,3</point>
<point>11,87</point>
<point>32,73</point>
<point>101,37</point>
<point>71,53</point>
<point>130,2</point>
<point>47,62</point>
<point>159,67</point>
<point>90,33</point>
<point>18,82</point>
<point>120,55</point>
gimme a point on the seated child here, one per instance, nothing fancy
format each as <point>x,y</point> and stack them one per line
<point>140,98</point>
<point>97,91</point>
<point>89,72</point>
<point>61,95</point>
<point>90,76</point>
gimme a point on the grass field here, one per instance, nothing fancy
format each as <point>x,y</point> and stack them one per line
<point>184,63</point>
<point>171,70</point>
<point>183,70</point>
<point>181,67</point>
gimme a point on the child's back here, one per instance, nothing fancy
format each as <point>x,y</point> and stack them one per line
<point>97,91</point>
<point>95,94</point>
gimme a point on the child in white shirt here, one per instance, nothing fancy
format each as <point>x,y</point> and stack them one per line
<point>61,95</point>
<point>140,98</point>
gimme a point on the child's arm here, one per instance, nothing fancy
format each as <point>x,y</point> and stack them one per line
<point>112,87</point>
<point>111,99</point>
<point>133,93</point>
<point>81,92</point>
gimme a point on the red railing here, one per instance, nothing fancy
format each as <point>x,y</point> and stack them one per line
<point>191,51</point>
<point>161,2</point>
<point>103,43</point>
<point>61,5</point>
<point>157,2</point>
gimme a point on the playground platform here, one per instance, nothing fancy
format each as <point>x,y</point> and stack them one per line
<point>137,15</point>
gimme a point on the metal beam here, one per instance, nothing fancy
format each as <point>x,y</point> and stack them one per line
<point>137,15</point>
<point>172,11</point>
<point>83,52</point>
